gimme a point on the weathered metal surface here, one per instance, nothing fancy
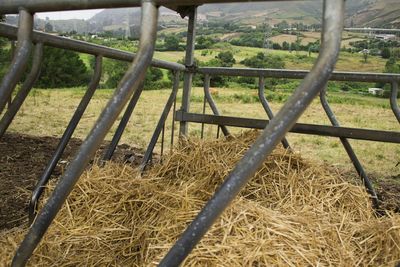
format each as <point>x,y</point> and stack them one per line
<point>128,86</point>
<point>21,57</point>
<point>301,128</point>
<point>42,182</point>
<point>19,99</point>
<point>269,138</point>
<point>9,31</point>
<point>189,61</point>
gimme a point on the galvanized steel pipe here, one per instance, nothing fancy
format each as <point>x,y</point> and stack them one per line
<point>19,99</point>
<point>20,61</point>
<point>270,137</point>
<point>129,84</point>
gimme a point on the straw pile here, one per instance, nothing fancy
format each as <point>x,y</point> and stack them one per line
<point>292,213</point>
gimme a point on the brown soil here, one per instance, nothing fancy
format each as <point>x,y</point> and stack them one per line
<point>23,159</point>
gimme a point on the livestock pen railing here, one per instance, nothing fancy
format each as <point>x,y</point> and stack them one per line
<point>131,87</point>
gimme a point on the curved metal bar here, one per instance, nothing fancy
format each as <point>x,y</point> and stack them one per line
<point>350,152</point>
<point>393,100</point>
<point>24,91</point>
<point>11,6</point>
<point>10,31</point>
<point>268,110</point>
<point>160,124</point>
<point>211,102</point>
<point>129,84</point>
<point>269,138</point>
<point>123,123</point>
<point>20,61</point>
<point>38,190</point>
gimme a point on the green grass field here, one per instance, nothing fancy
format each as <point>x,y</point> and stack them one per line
<point>47,112</point>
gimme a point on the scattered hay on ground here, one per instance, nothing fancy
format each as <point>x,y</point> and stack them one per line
<point>292,213</point>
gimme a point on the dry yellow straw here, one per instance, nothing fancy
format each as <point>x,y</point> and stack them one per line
<point>292,213</point>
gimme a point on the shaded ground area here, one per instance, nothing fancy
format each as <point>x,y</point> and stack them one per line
<point>22,161</point>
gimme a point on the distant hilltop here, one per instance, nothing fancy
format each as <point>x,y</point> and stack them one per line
<point>359,13</point>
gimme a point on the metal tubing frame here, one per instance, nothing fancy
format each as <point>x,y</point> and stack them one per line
<point>332,27</point>
<point>393,100</point>
<point>267,108</point>
<point>19,99</point>
<point>189,61</point>
<point>300,74</point>
<point>62,144</point>
<point>161,123</point>
<point>123,123</point>
<point>349,150</point>
<point>211,102</point>
<point>10,32</point>
<point>300,128</point>
<point>21,57</point>
<point>12,6</point>
<point>129,84</point>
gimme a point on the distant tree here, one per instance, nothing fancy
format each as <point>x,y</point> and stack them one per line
<point>276,46</point>
<point>285,45</point>
<point>226,59</point>
<point>153,75</point>
<point>392,66</point>
<point>171,43</point>
<point>48,27</point>
<point>282,25</point>
<point>204,42</point>
<point>62,68</point>
<point>386,53</point>
<point>114,71</point>
<point>263,61</point>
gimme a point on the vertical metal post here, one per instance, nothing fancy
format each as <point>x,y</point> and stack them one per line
<point>212,104</point>
<point>129,84</point>
<point>173,124</point>
<point>189,61</point>
<point>20,61</point>
<point>19,99</point>
<point>39,187</point>
<point>123,123</point>
<point>393,100</point>
<point>350,152</point>
<point>204,112</point>
<point>268,110</point>
<point>269,138</point>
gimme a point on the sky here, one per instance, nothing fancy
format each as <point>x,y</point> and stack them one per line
<point>79,14</point>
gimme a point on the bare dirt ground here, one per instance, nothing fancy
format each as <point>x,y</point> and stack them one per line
<point>23,159</point>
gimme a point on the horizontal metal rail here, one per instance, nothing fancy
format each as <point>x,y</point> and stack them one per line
<point>273,133</point>
<point>300,74</point>
<point>301,128</point>
<point>12,6</point>
<point>10,32</point>
<point>128,85</point>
